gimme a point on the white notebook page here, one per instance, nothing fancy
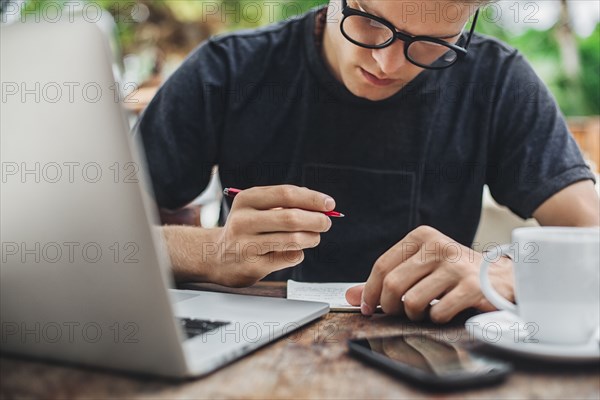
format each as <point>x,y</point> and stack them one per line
<point>332,293</point>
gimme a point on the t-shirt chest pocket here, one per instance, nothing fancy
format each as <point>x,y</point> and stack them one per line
<point>379,209</point>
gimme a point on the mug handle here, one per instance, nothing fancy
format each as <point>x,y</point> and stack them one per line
<point>486,287</point>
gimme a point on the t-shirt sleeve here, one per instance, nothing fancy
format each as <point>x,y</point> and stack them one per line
<point>532,154</point>
<point>181,126</point>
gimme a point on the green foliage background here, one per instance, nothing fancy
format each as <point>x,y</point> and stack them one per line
<point>575,97</point>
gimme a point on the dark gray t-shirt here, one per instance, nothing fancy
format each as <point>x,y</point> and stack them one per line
<point>263,106</point>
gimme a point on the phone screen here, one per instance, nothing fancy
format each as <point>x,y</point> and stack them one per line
<point>427,359</point>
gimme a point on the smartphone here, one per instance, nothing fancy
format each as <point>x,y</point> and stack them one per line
<point>428,362</point>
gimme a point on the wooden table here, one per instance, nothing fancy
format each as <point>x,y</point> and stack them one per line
<point>310,363</point>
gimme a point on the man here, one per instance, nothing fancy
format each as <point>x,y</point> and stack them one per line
<point>400,116</point>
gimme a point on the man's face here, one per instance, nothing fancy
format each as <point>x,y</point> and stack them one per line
<point>377,74</point>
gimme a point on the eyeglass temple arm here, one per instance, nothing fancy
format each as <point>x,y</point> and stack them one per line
<point>472,29</point>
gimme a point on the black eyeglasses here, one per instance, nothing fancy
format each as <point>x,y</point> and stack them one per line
<point>369,31</point>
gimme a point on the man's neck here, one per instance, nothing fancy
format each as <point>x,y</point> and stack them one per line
<point>323,43</point>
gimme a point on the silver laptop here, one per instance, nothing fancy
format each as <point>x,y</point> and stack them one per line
<point>84,274</point>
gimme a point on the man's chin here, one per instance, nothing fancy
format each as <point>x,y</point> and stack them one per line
<point>371,92</point>
<point>374,94</point>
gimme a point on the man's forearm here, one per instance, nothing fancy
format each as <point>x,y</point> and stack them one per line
<point>188,247</point>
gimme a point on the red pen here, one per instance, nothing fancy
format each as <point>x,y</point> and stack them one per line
<point>232,192</point>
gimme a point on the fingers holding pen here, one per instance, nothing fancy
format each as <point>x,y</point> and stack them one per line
<point>282,220</point>
<point>284,196</point>
<point>268,228</point>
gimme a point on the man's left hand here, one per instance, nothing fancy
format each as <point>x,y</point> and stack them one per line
<point>428,265</point>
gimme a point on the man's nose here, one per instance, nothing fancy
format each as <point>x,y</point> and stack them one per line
<point>390,59</point>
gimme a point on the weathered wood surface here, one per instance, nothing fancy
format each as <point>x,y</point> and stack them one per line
<point>310,363</point>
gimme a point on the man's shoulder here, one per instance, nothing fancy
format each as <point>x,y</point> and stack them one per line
<point>490,60</point>
<point>491,46</point>
<point>253,53</point>
<point>287,32</point>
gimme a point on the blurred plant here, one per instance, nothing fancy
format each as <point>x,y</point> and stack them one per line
<point>589,50</point>
<point>568,64</point>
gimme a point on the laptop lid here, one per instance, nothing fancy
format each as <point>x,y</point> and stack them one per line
<point>82,277</point>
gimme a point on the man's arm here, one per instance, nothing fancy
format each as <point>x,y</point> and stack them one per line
<point>267,230</point>
<point>422,276</point>
<point>575,205</point>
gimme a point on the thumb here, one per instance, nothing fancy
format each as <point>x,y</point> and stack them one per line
<point>354,294</point>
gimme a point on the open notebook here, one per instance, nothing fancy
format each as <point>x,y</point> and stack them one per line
<point>332,293</point>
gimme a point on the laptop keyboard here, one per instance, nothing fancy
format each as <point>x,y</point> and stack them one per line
<point>194,327</point>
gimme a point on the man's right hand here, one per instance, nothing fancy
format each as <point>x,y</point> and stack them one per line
<point>267,230</point>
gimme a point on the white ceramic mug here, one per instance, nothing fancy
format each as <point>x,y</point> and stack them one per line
<point>557,281</point>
